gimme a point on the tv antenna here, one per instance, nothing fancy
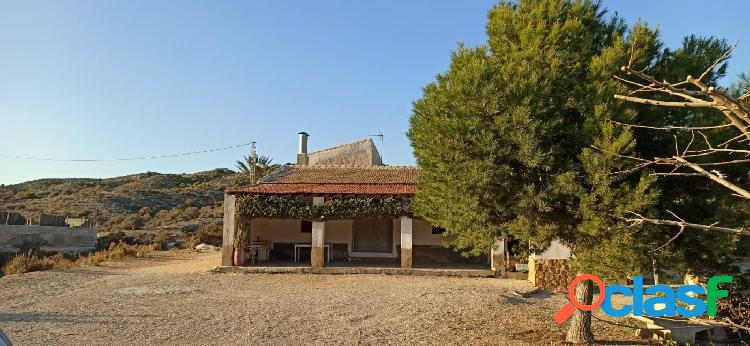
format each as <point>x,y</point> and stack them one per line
<point>380,134</point>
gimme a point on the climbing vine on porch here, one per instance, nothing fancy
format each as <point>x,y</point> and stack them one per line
<point>272,207</point>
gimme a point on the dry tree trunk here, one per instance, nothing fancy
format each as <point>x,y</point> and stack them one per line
<point>579,331</point>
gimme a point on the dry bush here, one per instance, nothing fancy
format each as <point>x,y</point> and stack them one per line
<point>210,234</point>
<point>191,242</point>
<point>59,261</point>
<point>22,263</point>
<point>28,262</point>
<point>736,310</point>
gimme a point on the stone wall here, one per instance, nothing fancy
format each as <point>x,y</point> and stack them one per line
<point>550,274</point>
<point>46,239</point>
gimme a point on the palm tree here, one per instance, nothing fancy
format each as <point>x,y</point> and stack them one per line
<point>263,166</point>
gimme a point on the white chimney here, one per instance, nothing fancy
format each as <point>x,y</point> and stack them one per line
<point>303,142</point>
<point>302,154</point>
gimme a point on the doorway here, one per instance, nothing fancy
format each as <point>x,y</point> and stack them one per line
<point>373,235</point>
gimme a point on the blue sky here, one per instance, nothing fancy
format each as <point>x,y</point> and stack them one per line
<point>111,79</point>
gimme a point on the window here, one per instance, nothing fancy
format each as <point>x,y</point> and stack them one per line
<point>438,230</point>
<point>305,226</point>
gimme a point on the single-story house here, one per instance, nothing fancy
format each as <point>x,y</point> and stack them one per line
<point>340,204</point>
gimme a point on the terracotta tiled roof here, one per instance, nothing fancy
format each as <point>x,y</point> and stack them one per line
<point>328,189</point>
<point>372,180</point>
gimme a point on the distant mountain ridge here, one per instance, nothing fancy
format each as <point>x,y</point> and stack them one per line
<point>143,200</point>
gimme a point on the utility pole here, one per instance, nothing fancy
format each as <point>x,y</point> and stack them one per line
<point>253,161</point>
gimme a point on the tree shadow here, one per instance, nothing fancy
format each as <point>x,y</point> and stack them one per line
<point>61,318</point>
<point>623,342</point>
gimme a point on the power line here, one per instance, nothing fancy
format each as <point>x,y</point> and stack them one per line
<point>121,159</point>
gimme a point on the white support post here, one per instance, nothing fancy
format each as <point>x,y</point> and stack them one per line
<point>406,241</point>
<point>230,225</point>
<point>317,251</point>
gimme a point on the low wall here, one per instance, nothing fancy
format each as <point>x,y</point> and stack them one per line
<point>46,239</point>
<point>550,274</point>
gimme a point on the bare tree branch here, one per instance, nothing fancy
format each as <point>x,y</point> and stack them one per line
<point>735,112</point>
<point>694,104</point>
<point>682,229</point>
<point>671,128</point>
<point>715,177</point>
<point>678,174</point>
<point>671,88</point>
<point>639,219</point>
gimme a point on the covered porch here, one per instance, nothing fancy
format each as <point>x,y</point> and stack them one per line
<point>371,240</point>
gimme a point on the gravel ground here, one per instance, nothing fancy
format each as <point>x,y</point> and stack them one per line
<point>174,298</point>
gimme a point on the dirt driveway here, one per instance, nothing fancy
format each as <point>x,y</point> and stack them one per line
<point>173,298</point>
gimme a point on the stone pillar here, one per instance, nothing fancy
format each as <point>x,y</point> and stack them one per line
<point>317,252</point>
<point>230,225</point>
<point>406,241</point>
<point>497,257</point>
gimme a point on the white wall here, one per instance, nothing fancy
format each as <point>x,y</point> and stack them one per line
<point>422,233</point>
<point>556,250</point>
<point>278,230</point>
<point>288,231</point>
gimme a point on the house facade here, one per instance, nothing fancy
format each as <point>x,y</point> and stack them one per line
<point>338,205</point>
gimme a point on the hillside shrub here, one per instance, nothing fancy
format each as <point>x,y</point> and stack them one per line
<point>124,222</point>
<point>29,195</point>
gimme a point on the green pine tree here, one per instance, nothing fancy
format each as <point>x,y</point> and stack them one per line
<point>506,138</point>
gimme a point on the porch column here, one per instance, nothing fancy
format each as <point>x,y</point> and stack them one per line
<point>497,257</point>
<point>230,224</point>
<point>406,241</point>
<point>317,252</point>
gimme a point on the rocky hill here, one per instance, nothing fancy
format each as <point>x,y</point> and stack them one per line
<point>139,201</point>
